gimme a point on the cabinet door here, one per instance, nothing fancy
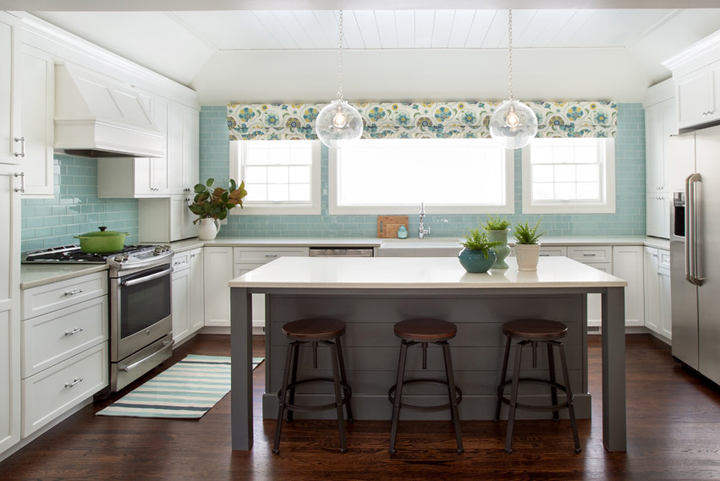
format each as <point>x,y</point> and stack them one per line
<point>10,122</point>
<point>628,265</point>
<point>665,303</point>
<point>658,215</point>
<point>653,148</point>
<point>191,149</point>
<point>218,271</point>
<point>652,290</point>
<point>9,308</point>
<point>159,166</point>
<point>197,294</point>
<point>181,305</point>
<point>692,98</point>
<point>713,72</point>
<point>38,110</point>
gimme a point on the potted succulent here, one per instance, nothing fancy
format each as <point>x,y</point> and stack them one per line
<point>212,205</point>
<point>478,254</point>
<point>527,247</point>
<point>497,231</point>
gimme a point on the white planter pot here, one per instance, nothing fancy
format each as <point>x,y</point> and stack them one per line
<point>208,229</point>
<point>527,257</point>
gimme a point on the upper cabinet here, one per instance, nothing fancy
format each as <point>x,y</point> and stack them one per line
<point>183,148</point>
<point>11,140</point>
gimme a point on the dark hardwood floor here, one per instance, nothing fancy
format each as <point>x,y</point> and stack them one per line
<point>673,433</point>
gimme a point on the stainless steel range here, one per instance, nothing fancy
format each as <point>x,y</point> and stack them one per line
<point>140,305</point>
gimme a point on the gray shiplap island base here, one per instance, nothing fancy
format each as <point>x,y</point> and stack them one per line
<point>371,294</point>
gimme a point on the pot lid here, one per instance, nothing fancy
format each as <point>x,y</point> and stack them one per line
<point>102,233</point>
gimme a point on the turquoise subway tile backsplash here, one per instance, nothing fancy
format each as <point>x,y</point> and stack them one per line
<point>75,208</point>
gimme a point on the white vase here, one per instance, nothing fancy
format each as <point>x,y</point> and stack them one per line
<point>208,229</point>
<point>527,257</point>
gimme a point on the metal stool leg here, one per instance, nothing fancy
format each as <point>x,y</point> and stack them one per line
<point>398,395</point>
<point>343,377</point>
<point>513,397</point>
<point>553,389</point>
<point>293,379</point>
<point>338,396</point>
<point>281,406</point>
<point>498,403</point>
<point>453,396</point>
<point>568,391</point>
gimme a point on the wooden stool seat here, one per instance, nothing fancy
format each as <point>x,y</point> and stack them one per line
<point>314,329</point>
<point>425,330</point>
<point>535,330</point>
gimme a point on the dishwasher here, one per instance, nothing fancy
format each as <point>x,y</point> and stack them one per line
<point>341,252</point>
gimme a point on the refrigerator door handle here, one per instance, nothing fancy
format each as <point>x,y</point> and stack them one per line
<point>691,229</point>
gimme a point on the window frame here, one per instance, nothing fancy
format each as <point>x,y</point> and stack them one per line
<point>280,208</point>
<point>605,206</point>
<point>507,208</point>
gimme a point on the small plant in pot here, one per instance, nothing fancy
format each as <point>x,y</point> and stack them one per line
<point>478,254</point>
<point>527,247</point>
<point>212,205</point>
<point>497,230</point>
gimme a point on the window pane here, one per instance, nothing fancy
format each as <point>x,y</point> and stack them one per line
<point>255,175</point>
<point>256,192</point>
<point>298,192</point>
<point>542,173</point>
<point>256,156</point>
<point>588,191</point>
<point>588,173</point>
<point>543,191</point>
<point>564,173</point>
<point>299,175</point>
<point>277,192</point>
<point>277,175</point>
<point>565,191</point>
<point>278,157</point>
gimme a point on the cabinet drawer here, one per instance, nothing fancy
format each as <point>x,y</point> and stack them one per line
<point>663,259</point>
<point>266,254</point>
<point>553,251</point>
<point>51,297</point>
<point>241,268</point>
<point>589,254</point>
<point>54,337</point>
<point>181,261</point>
<point>50,393</point>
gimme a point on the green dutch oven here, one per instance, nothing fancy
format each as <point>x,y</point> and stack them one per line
<point>102,242</point>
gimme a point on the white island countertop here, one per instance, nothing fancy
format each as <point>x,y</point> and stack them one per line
<point>414,273</point>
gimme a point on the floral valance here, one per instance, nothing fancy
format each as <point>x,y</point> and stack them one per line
<point>401,120</point>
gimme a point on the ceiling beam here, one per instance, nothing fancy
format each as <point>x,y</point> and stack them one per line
<point>200,5</point>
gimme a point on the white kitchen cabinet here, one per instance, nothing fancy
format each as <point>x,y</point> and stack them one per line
<point>658,312</point>
<point>10,387</point>
<point>183,148</point>
<point>658,214</point>
<point>38,130</point>
<point>187,294</point>
<point>64,346</point>
<point>166,219</point>
<point>11,140</point>
<point>600,258</point>
<point>698,96</point>
<point>218,271</point>
<point>627,263</point>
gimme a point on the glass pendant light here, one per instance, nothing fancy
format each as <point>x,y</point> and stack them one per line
<point>513,124</point>
<point>339,121</point>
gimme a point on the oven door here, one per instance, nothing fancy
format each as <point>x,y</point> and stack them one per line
<point>141,311</point>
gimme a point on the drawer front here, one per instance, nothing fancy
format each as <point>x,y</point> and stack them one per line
<point>57,336</point>
<point>50,393</point>
<point>266,254</point>
<point>244,267</point>
<point>588,254</point>
<point>45,299</point>
<point>664,259</point>
<point>553,251</point>
<point>181,261</point>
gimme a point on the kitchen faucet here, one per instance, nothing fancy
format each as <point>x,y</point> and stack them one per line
<point>421,229</point>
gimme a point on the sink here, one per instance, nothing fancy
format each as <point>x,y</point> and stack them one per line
<point>437,247</point>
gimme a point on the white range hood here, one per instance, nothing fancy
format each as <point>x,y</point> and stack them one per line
<point>97,116</point>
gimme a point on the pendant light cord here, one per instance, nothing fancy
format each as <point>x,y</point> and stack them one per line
<point>340,60</point>
<point>510,65</point>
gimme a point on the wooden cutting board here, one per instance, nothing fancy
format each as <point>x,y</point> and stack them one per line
<point>388,225</point>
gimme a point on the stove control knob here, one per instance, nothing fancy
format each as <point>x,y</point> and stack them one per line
<point>118,258</point>
<point>158,250</point>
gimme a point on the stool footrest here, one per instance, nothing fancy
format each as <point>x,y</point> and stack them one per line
<point>439,407</point>
<point>534,407</point>
<point>347,391</point>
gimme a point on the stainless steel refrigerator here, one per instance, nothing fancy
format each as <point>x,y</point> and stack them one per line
<point>695,251</point>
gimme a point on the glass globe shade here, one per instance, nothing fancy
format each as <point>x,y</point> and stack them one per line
<point>338,122</point>
<point>513,124</point>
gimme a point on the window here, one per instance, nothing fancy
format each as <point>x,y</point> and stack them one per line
<point>281,176</point>
<point>575,175</point>
<point>451,176</point>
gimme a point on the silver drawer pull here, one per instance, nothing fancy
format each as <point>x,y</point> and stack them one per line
<point>74,331</point>
<point>22,147</point>
<point>588,255</point>
<point>73,292</point>
<point>20,189</point>
<point>271,255</point>
<point>75,381</point>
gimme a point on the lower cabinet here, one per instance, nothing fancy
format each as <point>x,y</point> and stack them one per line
<point>218,271</point>
<point>187,294</point>
<point>64,347</point>
<point>658,314</point>
<point>628,264</point>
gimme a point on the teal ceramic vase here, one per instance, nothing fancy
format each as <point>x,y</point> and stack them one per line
<point>503,250</point>
<point>475,261</point>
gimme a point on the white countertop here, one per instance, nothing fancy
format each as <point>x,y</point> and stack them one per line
<point>429,272</point>
<point>294,241</point>
<point>34,275</point>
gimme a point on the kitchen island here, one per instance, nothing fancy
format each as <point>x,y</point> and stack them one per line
<point>371,294</point>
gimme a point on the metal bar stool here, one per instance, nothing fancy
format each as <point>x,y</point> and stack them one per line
<point>315,331</point>
<point>424,331</point>
<point>533,332</point>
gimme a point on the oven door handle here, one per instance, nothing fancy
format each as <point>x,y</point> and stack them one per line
<point>166,345</point>
<point>134,282</point>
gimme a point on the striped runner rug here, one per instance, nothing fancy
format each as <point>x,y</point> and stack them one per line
<point>187,389</point>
